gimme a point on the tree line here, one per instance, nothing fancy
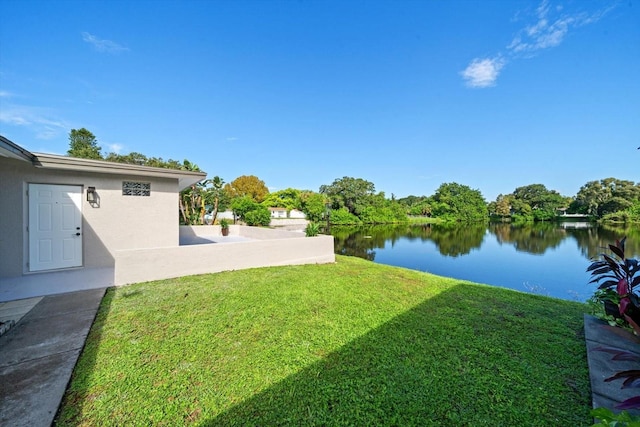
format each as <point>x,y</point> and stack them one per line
<point>351,200</point>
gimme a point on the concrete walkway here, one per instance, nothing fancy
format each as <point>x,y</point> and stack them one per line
<point>38,354</point>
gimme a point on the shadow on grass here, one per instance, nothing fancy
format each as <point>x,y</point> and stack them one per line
<point>465,357</point>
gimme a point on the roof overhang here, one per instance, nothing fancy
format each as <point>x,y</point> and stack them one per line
<point>14,151</point>
<point>53,161</point>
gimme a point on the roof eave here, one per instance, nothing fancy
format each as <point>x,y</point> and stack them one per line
<point>52,161</point>
<point>14,151</point>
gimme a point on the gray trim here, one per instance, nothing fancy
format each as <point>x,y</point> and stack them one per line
<point>14,151</point>
<point>53,161</point>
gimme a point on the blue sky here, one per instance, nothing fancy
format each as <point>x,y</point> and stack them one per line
<point>405,94</point>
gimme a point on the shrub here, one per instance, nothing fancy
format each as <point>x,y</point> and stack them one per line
<point>342,216</point>
<point>242,205</point>
<point>606,418</point>
<point>260,216</point>
<point>622,274</point>
<point>312,229</point>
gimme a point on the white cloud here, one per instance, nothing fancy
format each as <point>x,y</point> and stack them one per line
<point>41,122</point>
<point>115,148</point>
<point>14,118</point>
<point>47,132</point>
<point>5,94</point>
<point>548,28</point>
<point>102,45</point>
<point>483,72</point>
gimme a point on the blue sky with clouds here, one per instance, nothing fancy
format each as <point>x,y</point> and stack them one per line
<point>405,94</point>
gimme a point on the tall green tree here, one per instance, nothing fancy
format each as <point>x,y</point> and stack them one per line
<point>83,144</point>
<point>542,203</point>
<point>132,158</point>
<point>351,193</point>
<point>140,159</point>
<point>313,205</point>
<point>416,205</point>
<point>243,205</point>
<point>192,200</point>
<point>457,202</point>
<point>216,197</point>
<point>380,210</point>
<point>503,205</point>
<point>609,195</point>
<point>288,199</point>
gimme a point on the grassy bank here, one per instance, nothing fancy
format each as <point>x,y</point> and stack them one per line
<point>351,343</point>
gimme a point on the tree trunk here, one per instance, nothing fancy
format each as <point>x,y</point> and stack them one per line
<point>214,214</point>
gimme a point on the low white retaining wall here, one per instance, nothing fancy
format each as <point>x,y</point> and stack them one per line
<point>267,247</point>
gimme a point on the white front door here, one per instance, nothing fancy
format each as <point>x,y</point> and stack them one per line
<point>55,221</point>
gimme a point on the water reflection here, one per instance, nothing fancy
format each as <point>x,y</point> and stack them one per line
<point>545,258</point>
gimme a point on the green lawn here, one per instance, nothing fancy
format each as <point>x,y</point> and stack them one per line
<point>351,343</point>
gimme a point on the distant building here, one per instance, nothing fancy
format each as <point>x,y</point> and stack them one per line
<point>282,213</point>
<point>278,212</point>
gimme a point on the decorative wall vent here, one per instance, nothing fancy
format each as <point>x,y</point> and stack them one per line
<point>131,188</point>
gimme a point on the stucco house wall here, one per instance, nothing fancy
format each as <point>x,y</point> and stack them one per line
<point>125,238</point>
<point>116,222</point>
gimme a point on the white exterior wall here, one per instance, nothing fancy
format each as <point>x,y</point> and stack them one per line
<point>277,213</point>
<point>120,222</point>
<point>281,248</point>
<point>296,214</point>
<point>129,239</point>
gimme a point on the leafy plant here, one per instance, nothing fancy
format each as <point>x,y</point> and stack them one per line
<point>241,205</point>
<point>607,418</point>
<point>259,216</point>
<point>603,304</point>
<point>618,272</point>
<point>224,223</point>
<point>312,229</point>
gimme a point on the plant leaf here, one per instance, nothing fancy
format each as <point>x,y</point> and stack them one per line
<point>631,374</point>
<point>596,264</point>
<point>632,382</point>
<point>601,270</point>
<point>620,355</point>
<point>631,403</point>
<point>608,284</point>
<point>619,251</point>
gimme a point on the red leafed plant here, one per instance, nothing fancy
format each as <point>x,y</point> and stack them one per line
<point>622,274</point>
<point>618,273</point>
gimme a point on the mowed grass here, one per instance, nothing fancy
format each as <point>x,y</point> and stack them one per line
<point>351,343</point>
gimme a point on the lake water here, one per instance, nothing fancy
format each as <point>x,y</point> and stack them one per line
<point>547,259</point>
